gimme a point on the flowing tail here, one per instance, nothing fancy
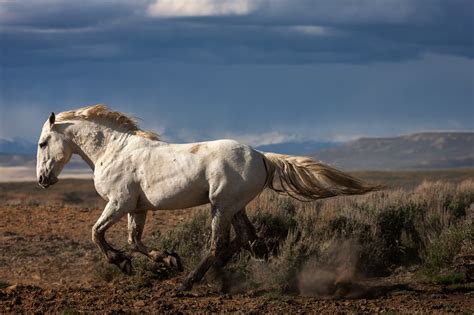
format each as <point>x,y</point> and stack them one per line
<point>306,179</point>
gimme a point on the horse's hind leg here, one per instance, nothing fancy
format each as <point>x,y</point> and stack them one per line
<point>245,236</point>
<point>113,212</point>
<point>244,229</point>
<point>248,236</point>
<point>136,224</point>
<point>219,248</point>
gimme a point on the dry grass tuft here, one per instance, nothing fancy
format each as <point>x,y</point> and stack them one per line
<point>319,247</point>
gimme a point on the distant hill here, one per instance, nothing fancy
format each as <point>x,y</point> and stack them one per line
<point>22,167</point>
<point>297,148</point>
<point>17,146</point>
<point>9,160</point>
<point>426,150</point>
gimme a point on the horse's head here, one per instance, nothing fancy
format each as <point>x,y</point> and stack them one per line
<point>54,151</point>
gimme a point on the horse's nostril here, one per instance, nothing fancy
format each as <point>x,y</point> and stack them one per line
<point>40,179</point>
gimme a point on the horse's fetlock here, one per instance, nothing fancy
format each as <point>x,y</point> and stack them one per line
<point>173,260</point>
<point>96,235</point>
<point>121,261</point>
<point>115,257</point>
<point>134,247</point>
<point>111,259</point>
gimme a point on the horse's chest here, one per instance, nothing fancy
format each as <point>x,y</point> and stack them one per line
<point>111,180</point>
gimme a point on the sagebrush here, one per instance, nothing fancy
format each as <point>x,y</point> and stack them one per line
<point>426,228</point>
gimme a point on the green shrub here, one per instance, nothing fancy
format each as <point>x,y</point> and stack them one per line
<point>458,203</point>
<point>273,228</point>
<point>440,252</point>
<point>190,240</point>
<point>293,253</point>
<point>423,227</point>
<point>106,272</point>
<point>145,272</point>
<point>449,278</point>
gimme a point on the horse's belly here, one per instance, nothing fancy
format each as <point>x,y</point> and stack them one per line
<point>163,198</point>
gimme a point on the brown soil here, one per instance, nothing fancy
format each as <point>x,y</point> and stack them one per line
<point>47,264</point>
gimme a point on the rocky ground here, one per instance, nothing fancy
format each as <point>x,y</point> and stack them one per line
<point>49,264</point>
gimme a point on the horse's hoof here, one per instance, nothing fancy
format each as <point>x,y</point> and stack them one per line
<point>121,261</point>
<point>185,286</point>
<point>126,266</point>
<point>156,256</point>
<point>173,260</point>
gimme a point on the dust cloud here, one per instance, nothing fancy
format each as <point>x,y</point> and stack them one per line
<point>333,274</point>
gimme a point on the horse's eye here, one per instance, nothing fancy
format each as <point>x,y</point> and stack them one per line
<point>43,144</point>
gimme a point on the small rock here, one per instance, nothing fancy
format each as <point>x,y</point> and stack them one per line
<point>437,306</point>
<point>139,303</point>
<point>16,301</point>
<point>11,288</point>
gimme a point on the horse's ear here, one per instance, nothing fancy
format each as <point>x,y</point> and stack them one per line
<point>52,119</point>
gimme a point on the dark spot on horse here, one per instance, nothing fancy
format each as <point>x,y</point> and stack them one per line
<point>195,148</point>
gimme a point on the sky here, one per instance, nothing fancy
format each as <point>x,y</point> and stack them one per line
<point>259,71</point>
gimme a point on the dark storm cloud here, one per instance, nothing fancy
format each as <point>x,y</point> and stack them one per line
<point>63,14</point>
<point>262,71</point>
<point>275,32</point>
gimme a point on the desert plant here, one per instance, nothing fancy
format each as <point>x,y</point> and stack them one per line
<point>190,240</point>
<point>442,250</point>
<point>424,226</point>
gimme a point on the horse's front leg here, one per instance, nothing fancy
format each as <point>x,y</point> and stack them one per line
<point>136,224</point>
<point>113,212</point>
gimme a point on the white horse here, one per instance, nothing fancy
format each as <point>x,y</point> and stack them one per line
<point>136,172</point>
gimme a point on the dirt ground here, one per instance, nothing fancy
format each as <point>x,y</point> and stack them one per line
<point>48,261</point>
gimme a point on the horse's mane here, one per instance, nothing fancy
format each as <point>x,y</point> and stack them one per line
<point>101,111</point>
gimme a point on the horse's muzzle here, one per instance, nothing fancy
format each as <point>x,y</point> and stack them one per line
<point>46,181</point>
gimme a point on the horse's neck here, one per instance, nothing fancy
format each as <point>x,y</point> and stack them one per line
<point>92,141</point>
